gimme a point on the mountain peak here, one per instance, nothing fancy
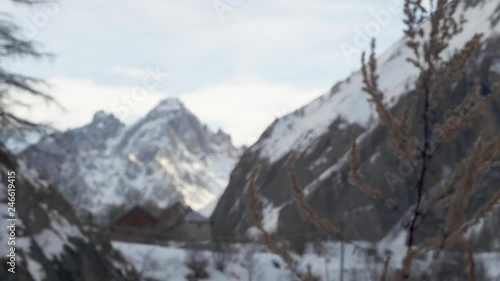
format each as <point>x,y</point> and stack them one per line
<point>100,115</point>
<point>169,104</point>
<point>102,119</point>
<point>168,155</point>
<point>167,107</point>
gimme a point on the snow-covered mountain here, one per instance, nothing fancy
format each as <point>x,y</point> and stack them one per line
<point>167,156</point>
<point>348,103</point>
<point>17,140</point>
<point>320,135</point>
<point>41,237</point>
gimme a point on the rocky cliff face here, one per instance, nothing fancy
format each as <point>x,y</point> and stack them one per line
<point>50,244</point>
<point>320,134</point>
<point>167,156</point>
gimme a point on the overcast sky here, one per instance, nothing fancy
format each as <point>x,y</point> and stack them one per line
<point>237,64</point>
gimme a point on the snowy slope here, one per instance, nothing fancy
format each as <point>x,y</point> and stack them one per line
<point>16,140</point>
<point>167,156</point>
<point>348,102</point>
<point>50,243</point>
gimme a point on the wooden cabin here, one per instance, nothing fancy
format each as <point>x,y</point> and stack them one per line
<point>137,217</point>
<point>177,223</point>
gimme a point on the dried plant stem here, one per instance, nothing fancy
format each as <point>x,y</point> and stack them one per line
<point>435,76</point>
<point>256,217</point>
<point>470,260</point>
<point>355,176</point>
<point>386,269</point>
<point>428,47</point>
<point>306,211</point>
<point>268,239</point>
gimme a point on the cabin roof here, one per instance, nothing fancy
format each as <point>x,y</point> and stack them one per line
<point>133,215</point>
<point>167,219</point>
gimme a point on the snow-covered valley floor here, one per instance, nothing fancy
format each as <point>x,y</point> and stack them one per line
<point>252,263</point>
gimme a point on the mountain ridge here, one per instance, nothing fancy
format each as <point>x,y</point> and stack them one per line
<point>164,157</point>
<point>320,135</point>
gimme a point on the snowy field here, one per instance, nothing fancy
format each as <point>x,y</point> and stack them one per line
<point>250,263</point>
<point>168,263</point>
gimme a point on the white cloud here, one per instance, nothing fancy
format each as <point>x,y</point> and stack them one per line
<point>294,44</point>
<point>244,108</point>
<point>130,72</point>
<point>82,98</point>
